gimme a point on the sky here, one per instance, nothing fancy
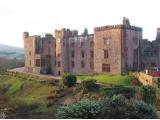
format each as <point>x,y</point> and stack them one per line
<point>44,16</point>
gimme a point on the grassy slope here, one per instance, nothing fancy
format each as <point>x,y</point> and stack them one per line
<point>29,91</point>
<point>110,79</point>
<point>35,91</point>
<point>25,90</point>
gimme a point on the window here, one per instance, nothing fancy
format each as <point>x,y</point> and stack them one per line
<point>30,62</point>
<point>72,54</point>
<point>37,62</point>
<point>82,64</point>
<point>106,54</point>
<point>106,68</point>
<point>135,65</point>
<point>72,64</point>
<point>153,65</point>
<point>92,65</point>
<point>72,44</point>
<point>92,54</point>
<point>135,39</point>
<point>82,44</point>
<point>29,53</point>
<point>42,62</point>
<point>59,64</point>
<point>49,42</point>
<point>142,65</point>
<point>59,72</point>
<point>91,43</point>
<point>49,50</point>
<point>82,54</point>
<point>58,54</point>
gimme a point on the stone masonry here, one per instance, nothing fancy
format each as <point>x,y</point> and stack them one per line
<point>113,49</point>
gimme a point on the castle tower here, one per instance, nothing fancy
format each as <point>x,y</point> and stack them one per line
<point>116,48</point>
<point>126,21</point>
<point>62,58</point>
<point>25,35</point>
<point>85,32</point>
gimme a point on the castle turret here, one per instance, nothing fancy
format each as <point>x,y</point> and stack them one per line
<point>85,32</point>
<point>25,35</point>
<point>158,34</point>
<point>126,21</point>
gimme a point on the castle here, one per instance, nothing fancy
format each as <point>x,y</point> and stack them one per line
<point>113,49</point>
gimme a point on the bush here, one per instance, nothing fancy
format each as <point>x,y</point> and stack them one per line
<point>116,108</point>
<point>89,85</point>
<point>142,110</point>
<point>85,109</point>
<point>4,88</point>
<point>22,110</point>
<point>120,108</point>
<point>116,90</point>
<point>68,80</point>
<point>148,94</point>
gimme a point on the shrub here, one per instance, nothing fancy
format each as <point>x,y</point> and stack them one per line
<point>89,85</point>
<point>116,108</point>
<point>68,80</point>
<point>4,88</point>
<point>120,108</point>
<point>22,110</point>
<point>124,90</point>
<point>85,109</point>
<point>148,94</point>
<point>142,110</point>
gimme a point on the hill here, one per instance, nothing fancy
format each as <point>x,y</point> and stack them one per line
<point>11,52</point>
<point>26,97</point>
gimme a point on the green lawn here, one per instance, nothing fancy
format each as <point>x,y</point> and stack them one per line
<point>109,79</point>
<point>24,89</point>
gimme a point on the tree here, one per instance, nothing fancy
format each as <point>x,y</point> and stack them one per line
<point>127,91</point>
<point>89,85</point>
<point>142,110</point>
<point>148,94</point>
<point>116,108</point>
<point>68,80</point>
<point>120,108</point>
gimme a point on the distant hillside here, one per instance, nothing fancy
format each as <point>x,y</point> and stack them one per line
<point>11,52</point>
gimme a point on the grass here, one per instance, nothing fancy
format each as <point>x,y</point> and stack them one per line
<point>109,79</point>
<point>14,87</point>
<point>28,91</point>
<point>24,89</point>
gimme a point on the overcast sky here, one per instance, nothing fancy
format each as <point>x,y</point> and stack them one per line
<point>41,16</point>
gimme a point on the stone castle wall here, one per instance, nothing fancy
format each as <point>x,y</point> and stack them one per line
<point>111,49</point>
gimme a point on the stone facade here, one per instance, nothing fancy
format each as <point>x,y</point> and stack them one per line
<point>39,53</point>
<point>150,51</point>
<point>113,49</point>
<point>120,43</point>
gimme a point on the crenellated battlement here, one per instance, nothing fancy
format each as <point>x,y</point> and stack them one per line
<point>65,33</point>
<point>117,27</point>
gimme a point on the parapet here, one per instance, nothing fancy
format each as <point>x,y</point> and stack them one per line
<point>108,27</point>
<point>48,35</point>
<point>63,33</point>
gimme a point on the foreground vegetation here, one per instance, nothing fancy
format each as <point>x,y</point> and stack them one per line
<point>22,97</point>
